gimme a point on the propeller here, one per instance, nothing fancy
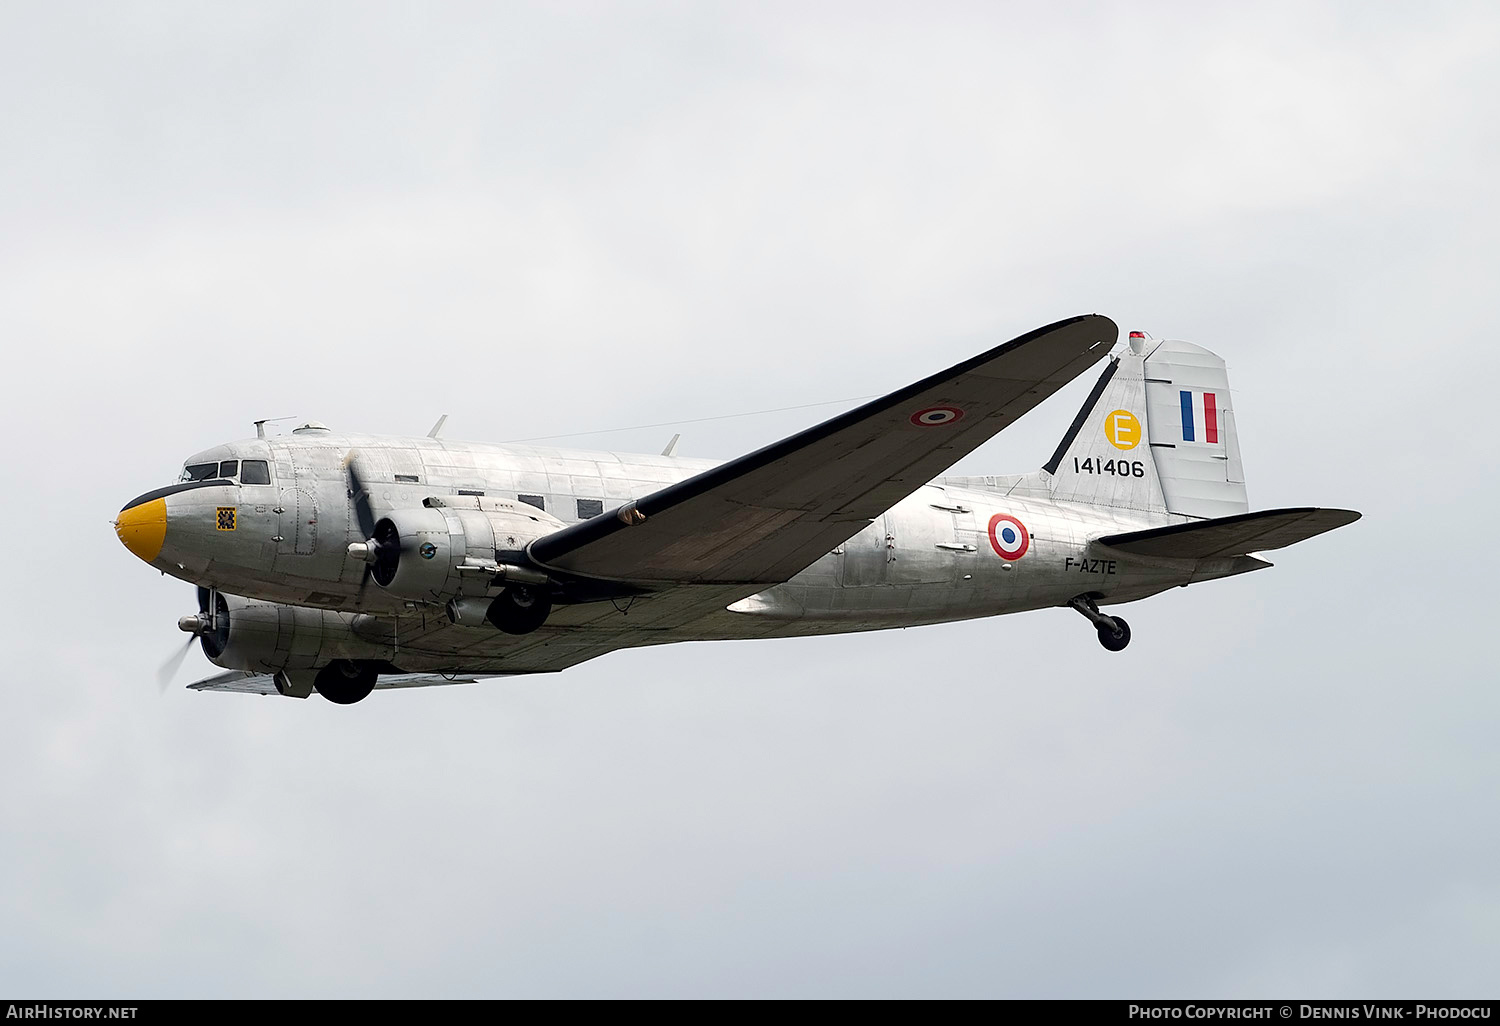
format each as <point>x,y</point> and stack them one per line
<point>168,669</point>
<point>369,549</point>
<point>196,627</point>
<point>361,498</point>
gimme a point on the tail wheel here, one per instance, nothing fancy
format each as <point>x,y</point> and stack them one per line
<point>345,681</point>
<point>1117,637</point>
<point>520,609</point>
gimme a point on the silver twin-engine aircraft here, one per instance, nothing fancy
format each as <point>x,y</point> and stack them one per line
<point>344,564</point>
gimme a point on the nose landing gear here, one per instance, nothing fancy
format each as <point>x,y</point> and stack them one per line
<point>1114,632</point>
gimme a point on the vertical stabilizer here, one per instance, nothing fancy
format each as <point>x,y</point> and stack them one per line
<point>1104,459</point>
<point>1156,434</point>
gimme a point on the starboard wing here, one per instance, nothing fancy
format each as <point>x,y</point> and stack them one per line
<point>766,516</point>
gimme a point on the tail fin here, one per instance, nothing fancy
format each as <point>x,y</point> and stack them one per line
<point>1156,434</point>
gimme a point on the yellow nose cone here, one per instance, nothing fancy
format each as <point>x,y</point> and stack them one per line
<point>143,528</point>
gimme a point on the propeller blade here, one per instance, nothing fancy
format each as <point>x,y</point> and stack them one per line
<point>364,582</point>
<point>169,669</point>
<point>360,496</point>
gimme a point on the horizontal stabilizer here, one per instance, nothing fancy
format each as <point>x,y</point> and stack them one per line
<point>1237,535</point>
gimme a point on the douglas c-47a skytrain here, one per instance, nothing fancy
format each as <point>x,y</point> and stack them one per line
<point>344,564</point>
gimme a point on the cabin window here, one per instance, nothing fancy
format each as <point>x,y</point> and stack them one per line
<point>229,468</point>
<point>590,508</point>
<point>407,479</point>
<point>534,500</point>
<point>199,471</point>
<point>255,472</point>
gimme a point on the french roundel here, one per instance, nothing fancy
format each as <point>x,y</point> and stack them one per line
<point>934,416</point>
<point>1009,536</point>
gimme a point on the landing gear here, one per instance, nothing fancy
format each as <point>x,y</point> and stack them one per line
<point>520,609</point>
<point>1114,632</point>
<point>1116,639</point>
<point>345,681</point>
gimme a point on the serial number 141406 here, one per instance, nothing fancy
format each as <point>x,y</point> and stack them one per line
<point>1119,468</point>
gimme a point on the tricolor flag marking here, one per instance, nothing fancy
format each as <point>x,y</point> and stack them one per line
<point>1196,410</point>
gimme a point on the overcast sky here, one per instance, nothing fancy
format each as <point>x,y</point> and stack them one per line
<point>557,217</point>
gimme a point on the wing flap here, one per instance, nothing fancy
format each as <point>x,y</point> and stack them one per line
<point>767,515</point>
<point>1237,535</point>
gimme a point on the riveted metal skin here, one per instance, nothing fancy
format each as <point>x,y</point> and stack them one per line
<point>826,532</point>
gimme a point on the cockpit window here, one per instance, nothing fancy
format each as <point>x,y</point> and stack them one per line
<point>248,471</point>
<point>199,471</point>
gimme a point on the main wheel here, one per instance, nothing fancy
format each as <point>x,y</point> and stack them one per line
<point>519,609</point>
<point>344,681</point>
<point>1116,639</point>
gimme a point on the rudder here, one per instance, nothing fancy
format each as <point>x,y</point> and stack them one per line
<point>1190,414</point>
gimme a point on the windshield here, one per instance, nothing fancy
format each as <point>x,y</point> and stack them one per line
<point>199,471</point>
<point>248,471</point>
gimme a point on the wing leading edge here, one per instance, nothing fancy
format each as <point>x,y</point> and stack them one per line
<point>764,517</point>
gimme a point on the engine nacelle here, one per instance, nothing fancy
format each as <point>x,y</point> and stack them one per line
<point>265,637</point>
<point>419,552</point>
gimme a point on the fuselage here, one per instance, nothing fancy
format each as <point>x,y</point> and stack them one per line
<point>273,519</point>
